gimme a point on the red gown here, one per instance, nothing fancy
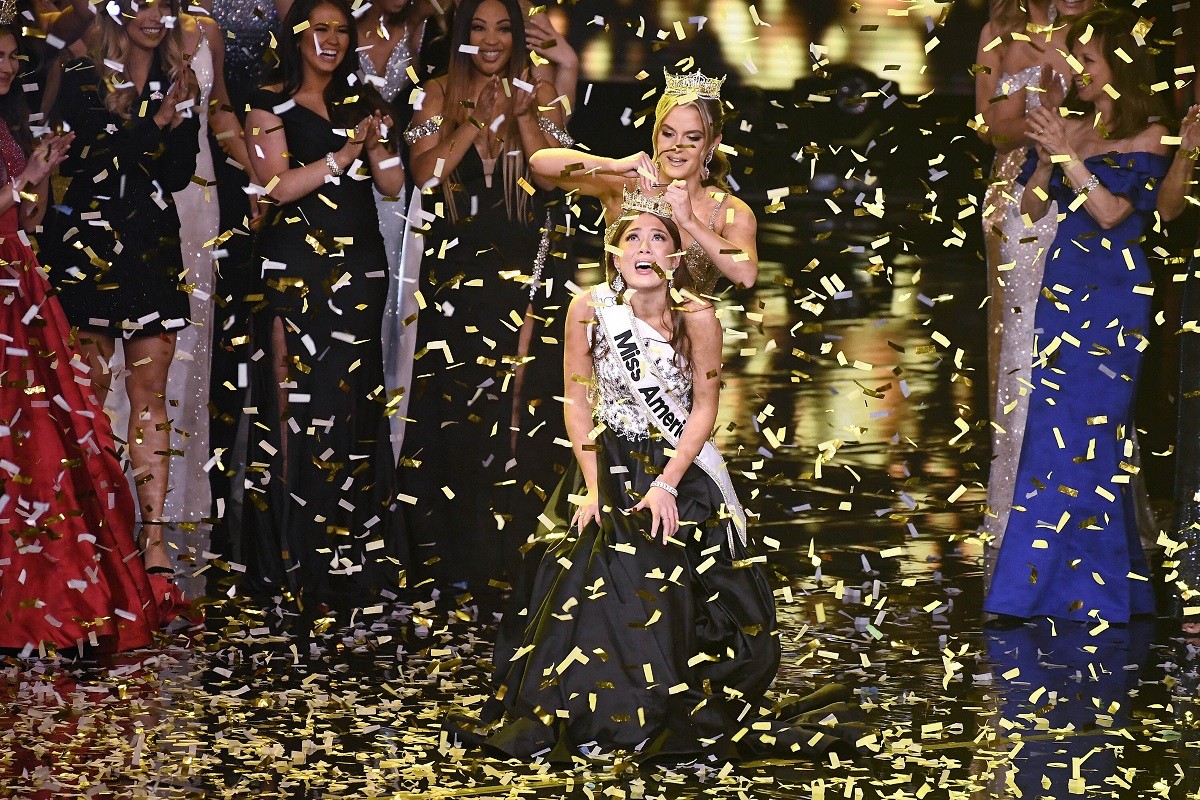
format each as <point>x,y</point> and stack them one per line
<point>70,571</point>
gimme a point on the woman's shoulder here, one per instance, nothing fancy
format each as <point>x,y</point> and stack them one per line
<point>267,98</point>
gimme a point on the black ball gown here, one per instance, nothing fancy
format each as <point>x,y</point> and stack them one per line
<point>662,651</point>
<point>324,522</point>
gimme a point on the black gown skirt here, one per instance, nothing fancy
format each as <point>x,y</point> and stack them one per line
<point>475,480</point>
<point>1186,522</point>
<point>322,521</point>
<point>663,651</point>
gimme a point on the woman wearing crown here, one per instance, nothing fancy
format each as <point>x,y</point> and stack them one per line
<point>70,575</point>
<point>650,628</point>
<point>688,168</point>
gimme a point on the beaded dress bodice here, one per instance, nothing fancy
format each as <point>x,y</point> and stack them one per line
<point>395,73</point>
<point>613,402</point>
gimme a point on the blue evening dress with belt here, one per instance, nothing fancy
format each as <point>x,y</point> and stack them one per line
<point>1071,548</point>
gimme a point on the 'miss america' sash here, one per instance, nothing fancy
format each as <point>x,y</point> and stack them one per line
<point>619,326</point>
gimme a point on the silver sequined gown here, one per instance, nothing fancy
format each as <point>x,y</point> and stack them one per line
<point>396,220</point>
<point>1016,255</point>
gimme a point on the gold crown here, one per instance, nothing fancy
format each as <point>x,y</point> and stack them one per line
<point>694,83</point>
<point>636,202</point>
<point>8,12</point>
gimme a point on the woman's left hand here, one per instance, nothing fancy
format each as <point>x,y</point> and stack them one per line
<point>378,129</point>
<point>523,102</point>
<point>1047,128</point>
<point>663,512</point>
<point>681,204</point>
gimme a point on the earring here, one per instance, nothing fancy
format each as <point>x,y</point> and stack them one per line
<point>707,160</point>
<point>618,283</point>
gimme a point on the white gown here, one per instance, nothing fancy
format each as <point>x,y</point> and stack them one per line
<point>1016,258</point>
<point>189,496</point>
<point>396,221</point>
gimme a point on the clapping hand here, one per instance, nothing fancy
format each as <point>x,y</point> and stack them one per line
<point>168,114</point>
<point>375,135</point>
<point>1189,130</point>
<point>49,153</point>
<point>523,102</point>
<point>1052,88</point>
<point>1048,130</point>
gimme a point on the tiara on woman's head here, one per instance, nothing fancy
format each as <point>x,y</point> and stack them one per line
<point>636,202</point>
<point>694,83</point>
<point>8,12</point>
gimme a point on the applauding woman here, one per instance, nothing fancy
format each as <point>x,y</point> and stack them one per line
<point>113,245</point>
<point>471,142</point>
<point>319,518</point>
<point>1071,547</point>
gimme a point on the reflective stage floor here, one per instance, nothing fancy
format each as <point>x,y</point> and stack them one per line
<point>853,418</point>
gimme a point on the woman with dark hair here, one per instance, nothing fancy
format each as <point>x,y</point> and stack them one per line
<point>70,574</point>
<point>319,521</point>
<point>650,629</point>
<point>112,246</point>
<point>1071,547</point>
<point>489,317</point>
<point>689,168</point>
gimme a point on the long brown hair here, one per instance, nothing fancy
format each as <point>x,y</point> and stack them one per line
<point>108,44</point>
<point>712,121</point>
<point>345,102</point>
<point>680,342</point>
<point>1138,106</point>
<point>455,108</point>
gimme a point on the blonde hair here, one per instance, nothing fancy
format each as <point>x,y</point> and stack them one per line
<point>711,122</point>
<point>109,43</point>
<point>1008,16</point>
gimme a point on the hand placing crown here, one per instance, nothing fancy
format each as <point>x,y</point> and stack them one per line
<point>694,83</point>
<point>636,203</point>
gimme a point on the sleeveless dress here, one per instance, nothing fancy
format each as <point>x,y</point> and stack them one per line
<point>660,651</point>
<point>112,246</point>
<point>190,499</point>
<point>703,271</point>
<point>246,27</point>
<point>70,572</point>
<point>1071,548</point>
<point>1016,255</point>
<point>459,462</point>
<point>323,523</point>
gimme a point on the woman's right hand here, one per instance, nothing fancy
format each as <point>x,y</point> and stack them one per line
<point>637,167</point>
<point>1189,129</point>
<point>167,114</point>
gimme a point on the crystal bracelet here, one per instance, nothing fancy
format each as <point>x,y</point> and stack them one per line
<point>1091,183</point>
<point>332,164</point>
<point>666,487</point>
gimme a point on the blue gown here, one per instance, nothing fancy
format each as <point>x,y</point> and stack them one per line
<point>1071,548</point>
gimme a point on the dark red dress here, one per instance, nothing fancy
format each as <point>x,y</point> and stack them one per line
<point>70,572</point>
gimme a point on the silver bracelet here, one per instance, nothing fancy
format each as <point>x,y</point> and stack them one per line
<point>1091,183</point>
<point>666,487</point>
<point>334,169</point>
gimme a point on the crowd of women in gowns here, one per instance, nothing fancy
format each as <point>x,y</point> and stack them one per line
<point>351,355</point>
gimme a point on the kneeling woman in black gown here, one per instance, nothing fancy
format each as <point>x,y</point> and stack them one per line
<point>319,519</point>
<point>650,629</point>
